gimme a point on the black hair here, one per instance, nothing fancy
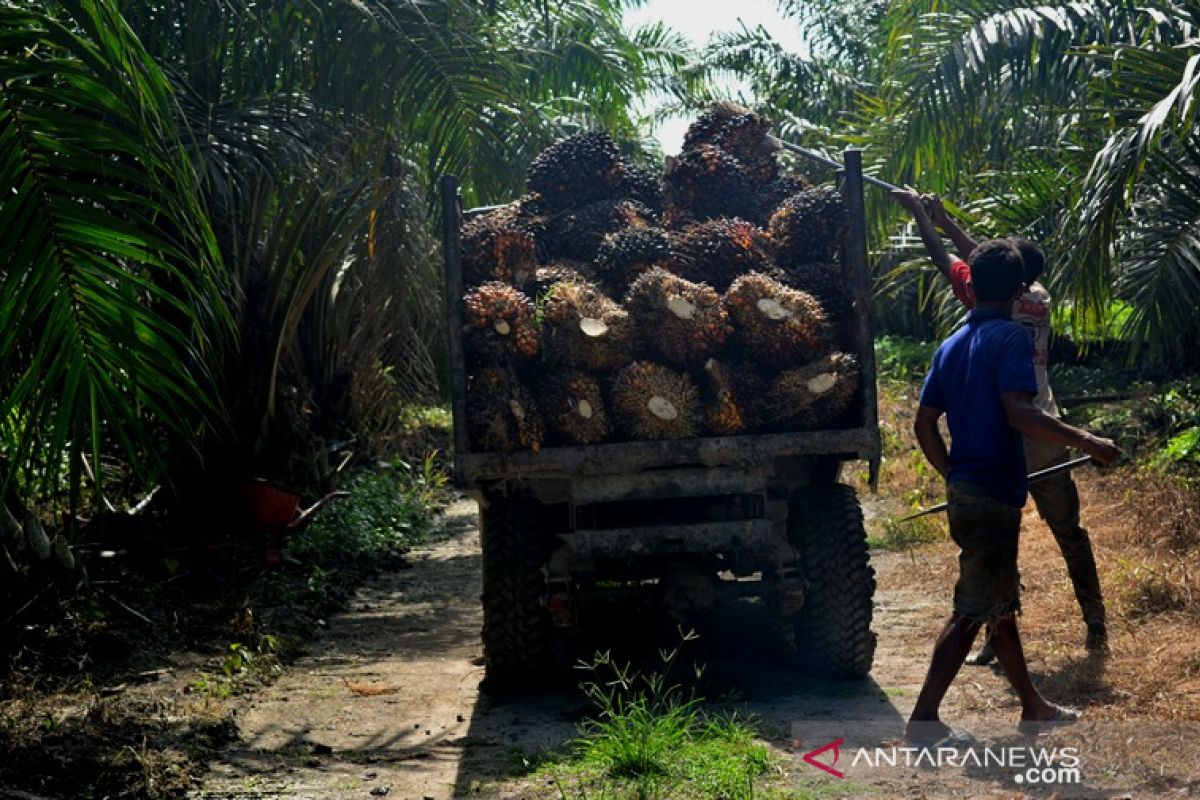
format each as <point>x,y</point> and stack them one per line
<point>996,270</point>
<point>1032,255</point>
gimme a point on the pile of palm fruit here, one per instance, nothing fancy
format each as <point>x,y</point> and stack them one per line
<point>608,304</point>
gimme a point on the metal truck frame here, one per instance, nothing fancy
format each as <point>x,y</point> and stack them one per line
<point>690,521</point>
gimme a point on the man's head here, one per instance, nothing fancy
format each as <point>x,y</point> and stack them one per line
<point>1032,255</point>
<point>997,271</point>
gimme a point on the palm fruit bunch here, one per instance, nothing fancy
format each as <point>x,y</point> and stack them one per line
<point>826,282</point>
<point>679,321</point>
<point>808,226</point>
<point>650,401</point>
<point>562,271</point>
<point>498,246</point>
<point>772,195</point>
<point>641,184</point>
<point>717,252</point>
<point>583,328</point>
<point>777,326</point>
<point>816,394</point>
<point>502,414</point>
<point>740,132</point>
<point>707,183</point>
<point>577,234</point>
<point>499,321</point>
<point>734,398</point>
<point>576,170</point>
<point>628,253</point>
<point>574,408</point>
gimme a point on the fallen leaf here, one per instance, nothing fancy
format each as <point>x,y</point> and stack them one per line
<point>364,689</point>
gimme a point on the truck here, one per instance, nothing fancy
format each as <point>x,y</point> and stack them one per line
<point>689,524</point>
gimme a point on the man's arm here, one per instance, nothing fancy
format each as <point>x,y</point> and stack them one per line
<point>930,439</point>
<point>929,235</point>
<point>1030,420</point>
<point>940,217</point>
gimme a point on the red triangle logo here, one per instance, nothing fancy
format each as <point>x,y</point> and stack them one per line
<point>810,757</point>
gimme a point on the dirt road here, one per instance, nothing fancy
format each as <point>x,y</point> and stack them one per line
<point>387,703</point>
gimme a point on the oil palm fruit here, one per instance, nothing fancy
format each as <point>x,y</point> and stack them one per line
<point>774,193</point>
<point>651,401</point>
<point>562,271</point>
<point>718,251</point>
<point>816,394</point>
<point>583,328</point>
<point>576,170</point>
<point>738,131</point>
<point>641,184</point>
<point>776,325</point>
<point>577,234</point>
<point>680,322</point>
<point>734,398</point>
<point>574,408</point>
<point>707,183</point>
<point>625,254</point>
<point>825,281</point>
<point>502,415</point>
<point>809,226</point>
<point>498,246</point>
<point>499,321</point>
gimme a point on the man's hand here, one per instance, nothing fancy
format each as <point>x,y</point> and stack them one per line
<point>937,211</point>
<point>1103,451</point>
<point>907,197</point>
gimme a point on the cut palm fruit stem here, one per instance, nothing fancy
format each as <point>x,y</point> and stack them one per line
<point>592,327</point>
<point>662,408</point>
<point>820,384</point>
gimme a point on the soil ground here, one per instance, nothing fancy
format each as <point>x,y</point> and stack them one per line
<point>387,700</point>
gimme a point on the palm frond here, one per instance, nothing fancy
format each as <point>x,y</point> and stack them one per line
<point>110,313</point>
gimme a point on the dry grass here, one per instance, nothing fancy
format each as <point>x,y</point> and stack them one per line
<point>1145,529</point>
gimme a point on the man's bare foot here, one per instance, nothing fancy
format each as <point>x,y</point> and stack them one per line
<point>926,731</point>
<point>983,656</point>
<point>1048,717</point>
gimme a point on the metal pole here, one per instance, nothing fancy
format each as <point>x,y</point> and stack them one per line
<point>854,255</point>
<point>1033,476</point>
<point>452,251</point>
<point>812,155</point>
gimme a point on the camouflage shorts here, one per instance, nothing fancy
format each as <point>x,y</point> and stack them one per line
<point>986,531</point>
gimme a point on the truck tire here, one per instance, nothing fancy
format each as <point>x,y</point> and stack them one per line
<point>516,625</point>
<point>833,632</point>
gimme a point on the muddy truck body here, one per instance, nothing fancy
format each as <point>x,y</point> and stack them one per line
<point>689,524</point>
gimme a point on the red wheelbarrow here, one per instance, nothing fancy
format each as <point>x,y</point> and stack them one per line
<point>276,510</point>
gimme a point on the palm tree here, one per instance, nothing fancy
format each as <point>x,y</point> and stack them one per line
<point>1073,123</point>
<point>224,210</point>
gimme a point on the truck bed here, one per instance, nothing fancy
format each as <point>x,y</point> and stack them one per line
<point>623,457</point>
<point>859,442</point>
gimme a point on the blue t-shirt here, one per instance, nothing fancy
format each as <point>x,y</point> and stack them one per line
<point>980,361</point>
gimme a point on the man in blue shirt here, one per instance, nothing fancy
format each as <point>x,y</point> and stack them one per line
<point>982,378</point>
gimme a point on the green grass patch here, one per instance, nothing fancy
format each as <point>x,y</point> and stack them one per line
<point>899,358</point>
<point>389,510</point>
<point>897,535</point>
<point>649,737</point>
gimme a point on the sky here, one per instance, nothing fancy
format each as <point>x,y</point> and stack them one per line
<point>699,20</point>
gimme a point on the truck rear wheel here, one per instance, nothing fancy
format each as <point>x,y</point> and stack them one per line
<point>516,625</point>
<point>825,525</point>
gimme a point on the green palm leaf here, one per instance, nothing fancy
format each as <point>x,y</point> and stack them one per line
<point>110,316</point>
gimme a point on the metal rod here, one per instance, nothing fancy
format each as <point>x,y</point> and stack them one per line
<point>812,155</point>
<point>452,252</point>
<point>1033,476</point>
<point>855,261</point>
